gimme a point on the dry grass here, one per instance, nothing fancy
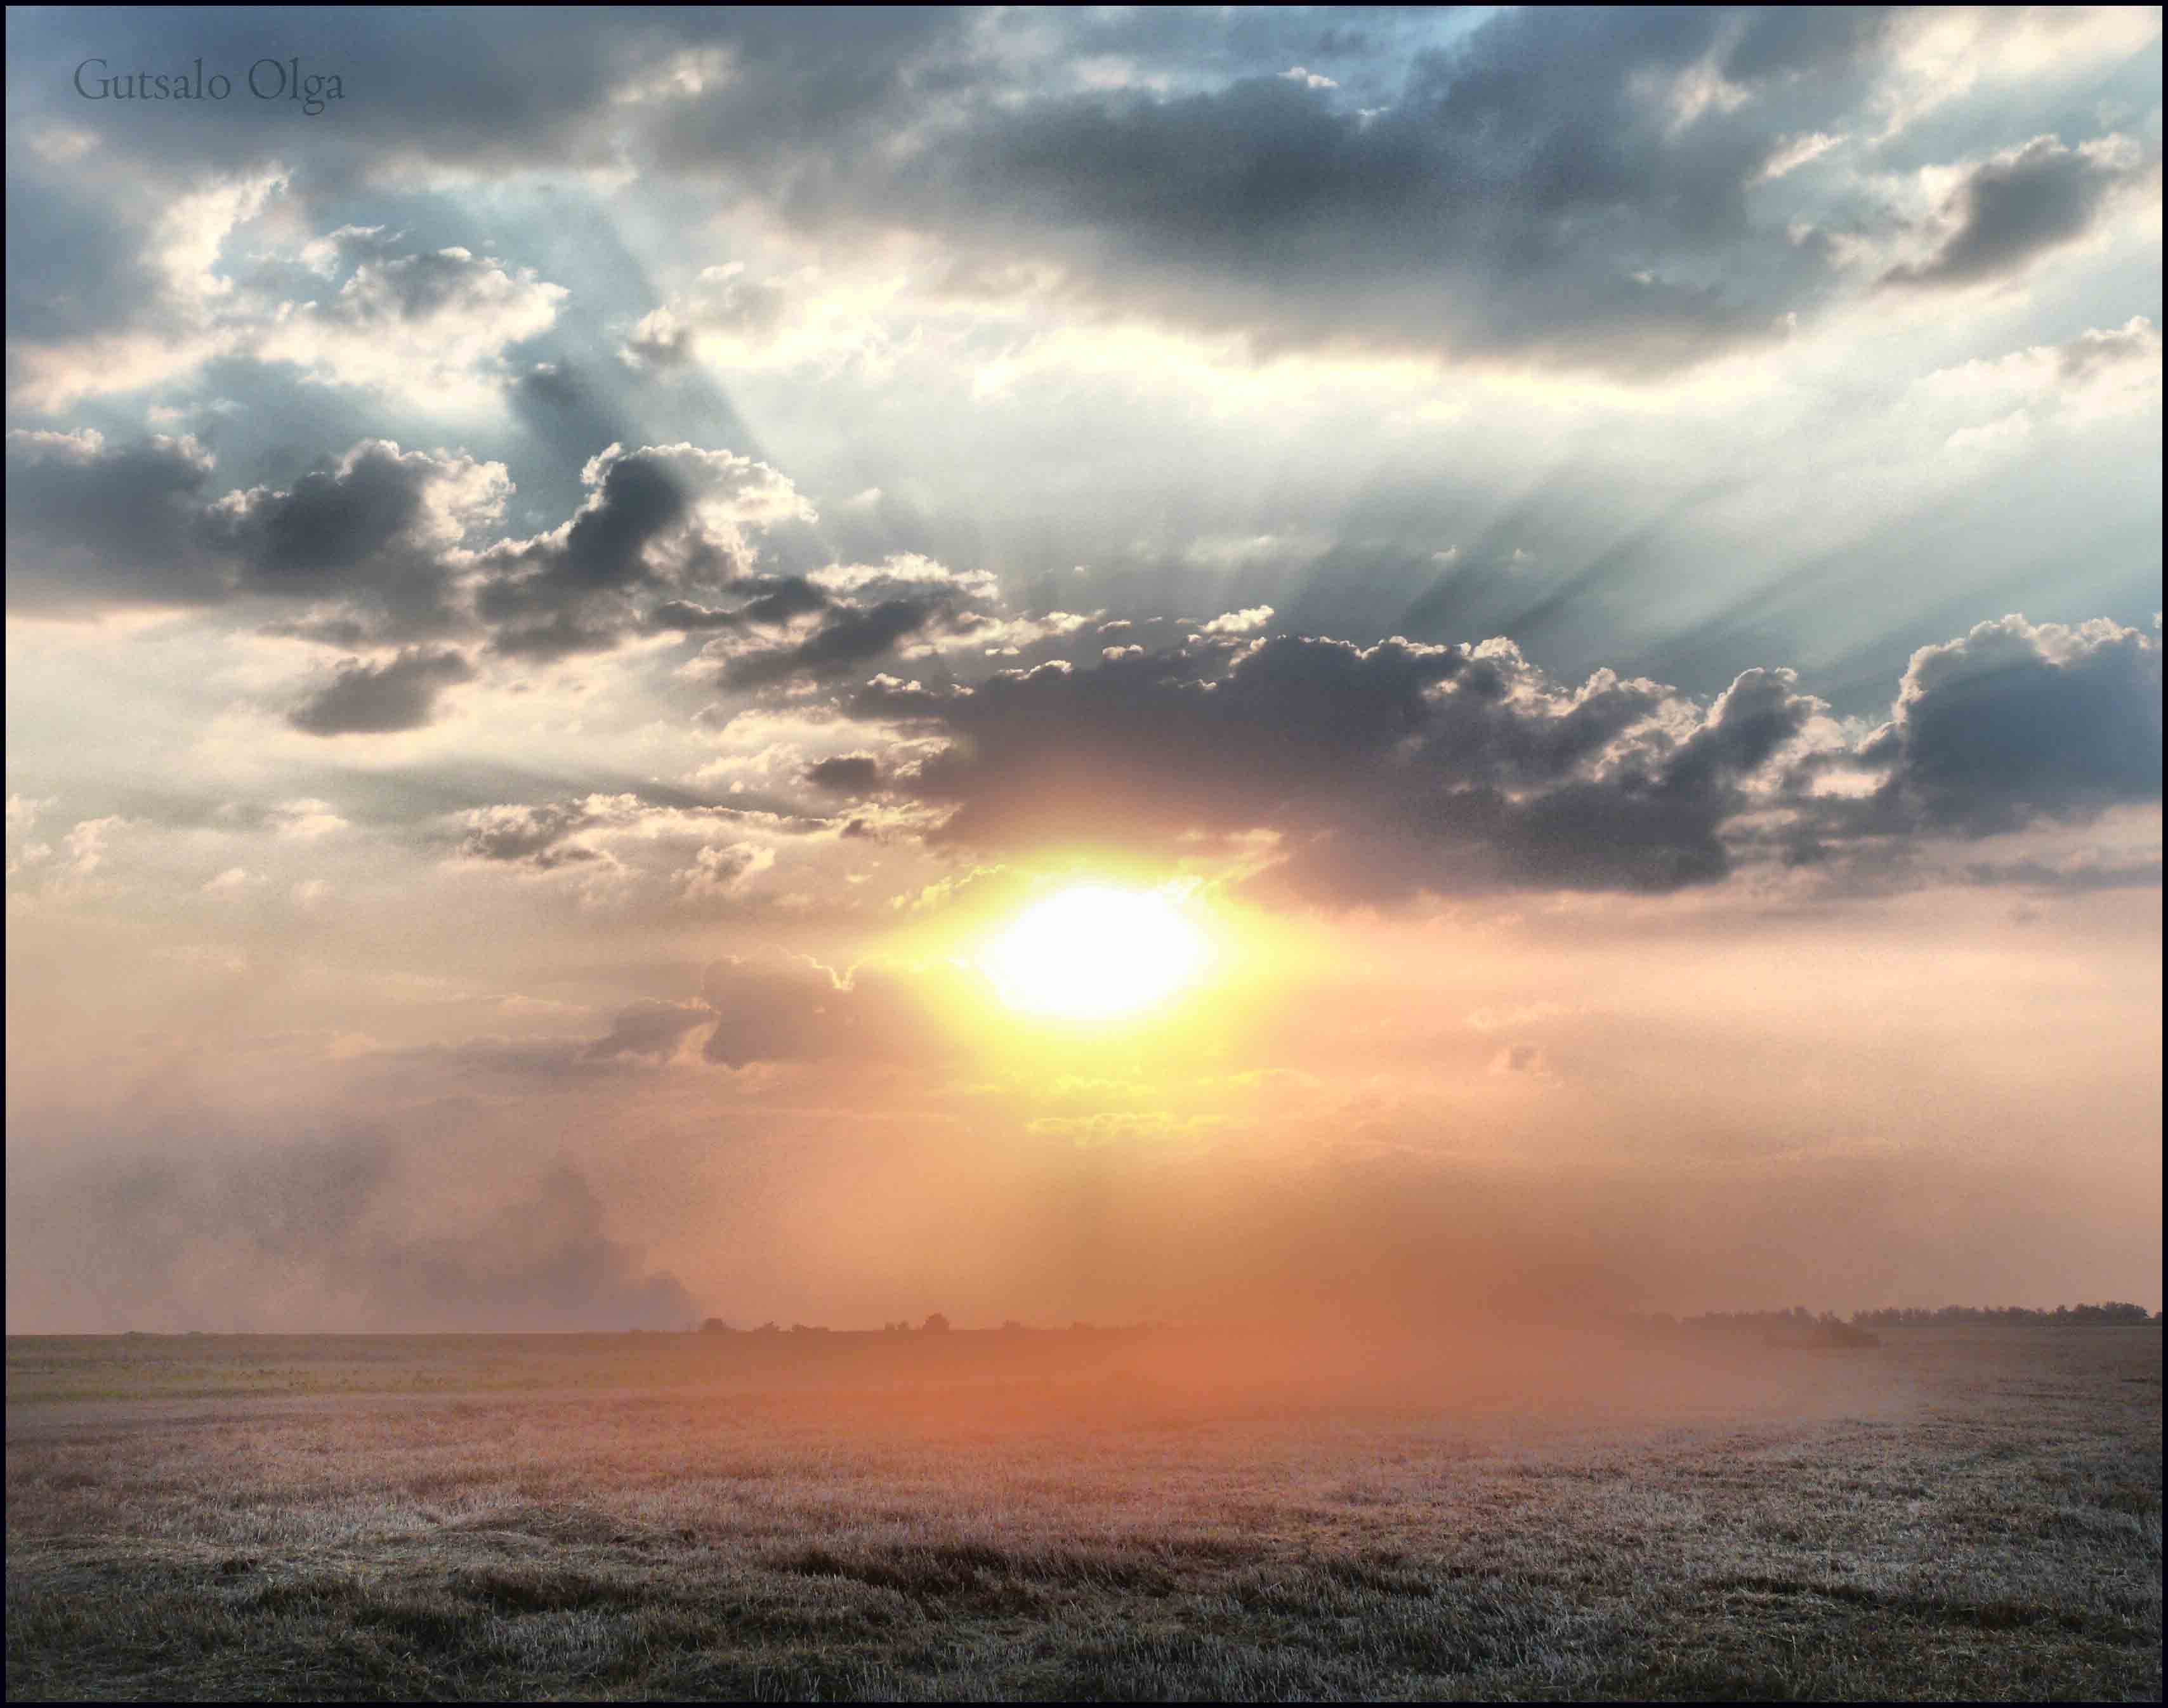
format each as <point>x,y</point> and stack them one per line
<point>1971,1512</point>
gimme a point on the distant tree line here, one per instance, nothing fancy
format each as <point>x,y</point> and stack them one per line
<point>934,1324</point>
<point>1797,1320</point>
<point>2062,1317</point>
<point>2115,1313</point>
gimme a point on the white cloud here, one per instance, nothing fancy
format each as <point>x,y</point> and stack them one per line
<point>1797,151</point>
<point>431,327</point>
<point>722,869</point>
<point>304,821</point>
<point>231,882</point>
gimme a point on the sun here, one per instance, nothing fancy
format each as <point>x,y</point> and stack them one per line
<point>1094,951</point>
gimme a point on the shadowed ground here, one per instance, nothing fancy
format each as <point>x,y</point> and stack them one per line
<point>1967,1512</point>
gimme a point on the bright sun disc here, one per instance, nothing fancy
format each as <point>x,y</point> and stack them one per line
<point>1094,951</point>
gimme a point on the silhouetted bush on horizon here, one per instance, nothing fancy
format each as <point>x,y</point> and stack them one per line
<point>2113,1313</point>
<point>1791,1325</point>
<point>1826,1325</point>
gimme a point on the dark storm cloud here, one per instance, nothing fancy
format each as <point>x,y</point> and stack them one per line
<point>635,501</point>
<point>847,773</point>
<point>372,540</point>
<point>563,593</point>
<point>90,524</point>
<point>1388,769</point>
<point>776,600</point>
<point>563,636</point>
<point>865,613</point>
<point>2011,210</point>
<point>378,699</point>
<point>2017,722</point>
<point>359,525</point>
<point>455,89</point>
<point>779,598</point>
<point>682,616</point>
<point>74,266</point>
<point>102,244</point>
<point>846,639</point>
<point>1550,187</point>
<point>339,1218</point>
<point>529,835</point>
<point>660,520</point>
<point>2069,880</point>
<point>1401,769</point>
<point>1560,186</point>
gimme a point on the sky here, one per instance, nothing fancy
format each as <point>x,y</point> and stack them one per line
<point>571,577</point>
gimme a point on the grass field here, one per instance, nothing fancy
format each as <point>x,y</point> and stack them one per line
<point>1956,1512</point>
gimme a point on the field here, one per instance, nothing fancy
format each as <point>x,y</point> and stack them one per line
<point>1956,1512</point>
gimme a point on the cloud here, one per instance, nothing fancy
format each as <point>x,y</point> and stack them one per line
<point>234,881</point>
<point>91,523</point>
<point>726,309</point>
<point>1383,772</point>
<point>532,836</point>
<point>2017,206</point>
<point>1573,190</point>
<point>907,604</point>
<point>376,527</point>
<point>2136,344</point>
<point>1524,1062</point>
<point>365,699</point>
<point>2103,370</point>
<point>431,326</point>
<point>1539,193</point>
<point>2081,876</point>
<point>847,774</point>
<point>800,1012</point>
<point>1796,151</point>
<point>1386,769</point>
<point>2017,722</point>
<point>135,302</point>
<point>771,601</point>
<point>68,872</point>
<point>374,541</point>
<point>845,640</point>
<point>650,1029</point>
<point>96,526</point>
<point>662,518</point>
<point>718,872</point>
<point>663,853</point>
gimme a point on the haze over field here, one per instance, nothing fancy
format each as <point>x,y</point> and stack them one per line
<point>1107,664</point>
